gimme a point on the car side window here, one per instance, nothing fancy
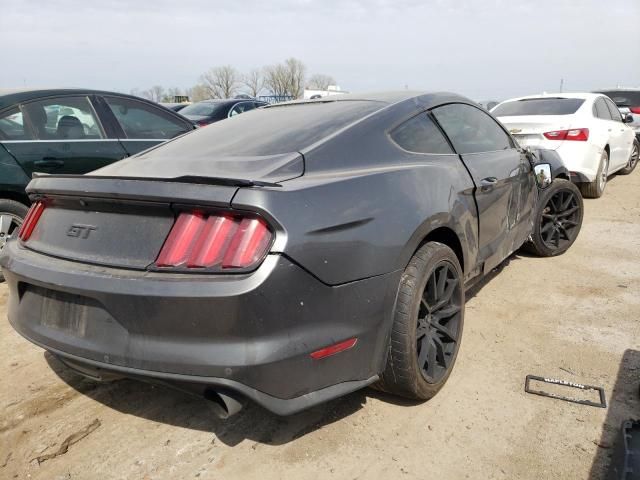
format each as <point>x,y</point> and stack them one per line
<point>241,108</point>
<point>471,130</point>
<point>420,135</point>
<point>63,118</point>
<point>601,110</point>
<point>141,121</point>
<point>12,126</point>
<point>613,110</point>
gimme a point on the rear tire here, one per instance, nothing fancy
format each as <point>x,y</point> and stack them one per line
<point>558,219</point>
<point>11,215</point>
<point>633,159</point>
<point>596,188</point>
<point>427,324</point>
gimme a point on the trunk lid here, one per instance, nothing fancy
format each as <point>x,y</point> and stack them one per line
<point>528,130</point>
<point>112,221</point>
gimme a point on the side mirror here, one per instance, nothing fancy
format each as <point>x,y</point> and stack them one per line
<point>628,118</point>
<point>543,174</point>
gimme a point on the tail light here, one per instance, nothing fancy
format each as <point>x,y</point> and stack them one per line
<point>215,241</point>
<point>576,134</point>
<point>635,110</point>
<point>30,221</point>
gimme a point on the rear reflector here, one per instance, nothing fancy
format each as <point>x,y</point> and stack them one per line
<point>30,221</point>
<point>217,240</point>
<point>333,349</point>
<point>576,134</point>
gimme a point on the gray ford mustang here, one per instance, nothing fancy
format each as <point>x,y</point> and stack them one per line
<point>289,255</point>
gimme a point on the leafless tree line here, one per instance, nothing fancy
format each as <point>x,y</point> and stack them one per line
<point>287,79</point>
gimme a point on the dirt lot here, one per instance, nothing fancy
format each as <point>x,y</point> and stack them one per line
<point>575,317</point>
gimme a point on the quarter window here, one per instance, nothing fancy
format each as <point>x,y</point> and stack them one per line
<point>12,126</point>
<point>420,135</point>
<point>601,110</point>
<point>66,118</point>
<point>471,130</point>
<point>141,121</point>
<point>613,110</point>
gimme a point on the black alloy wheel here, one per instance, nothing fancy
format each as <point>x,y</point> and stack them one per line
<point>427,325</point>
<point>558,219</point>
<point>439,316</point>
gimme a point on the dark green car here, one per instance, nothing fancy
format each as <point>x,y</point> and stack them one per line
<point>70,131</point>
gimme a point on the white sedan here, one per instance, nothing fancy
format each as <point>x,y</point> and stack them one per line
<point>585,129</point>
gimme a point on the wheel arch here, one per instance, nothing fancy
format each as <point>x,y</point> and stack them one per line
<point>15,196</point>
<point>448,237</point>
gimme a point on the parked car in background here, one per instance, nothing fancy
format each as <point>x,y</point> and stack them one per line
<point>70,131</point>
<point>292,255</point>
<point>176,107</point>
<point>628,102</point>
<point>210,111</point>
<point>585,129</point>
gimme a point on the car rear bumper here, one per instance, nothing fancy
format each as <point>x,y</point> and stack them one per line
<point>251,334</point>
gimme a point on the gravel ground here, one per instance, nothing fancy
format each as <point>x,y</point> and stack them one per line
<point>575,317</point>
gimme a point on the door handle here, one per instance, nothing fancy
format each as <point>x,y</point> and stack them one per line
<point>488,183</point>
<point>49,162</point>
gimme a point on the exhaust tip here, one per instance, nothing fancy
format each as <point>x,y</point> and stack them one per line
<point>225,404</point>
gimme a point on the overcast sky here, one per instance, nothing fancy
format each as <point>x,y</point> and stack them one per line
<point>481,48</point>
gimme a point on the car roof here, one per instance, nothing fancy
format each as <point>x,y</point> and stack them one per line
<point>9,97</point>
<point>581,95</point>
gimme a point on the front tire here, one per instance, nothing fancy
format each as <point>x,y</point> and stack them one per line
<point>633,159</point>
<point>11,215</point>
<point>558,219</point>
<point>595,189</point>
<point>427,324</point>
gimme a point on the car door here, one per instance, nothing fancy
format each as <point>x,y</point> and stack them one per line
<point>140,125</point>
<point>621,137</point>
<point>63,135</point>
<point>505,191</point>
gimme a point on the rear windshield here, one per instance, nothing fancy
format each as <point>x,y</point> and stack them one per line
<point>268,131</point>
<point>204,109</point>
<point>538,106</point>
<point>624,98</point>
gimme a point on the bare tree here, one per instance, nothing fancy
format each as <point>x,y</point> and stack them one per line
<point>221,82</point>
<point>285,79</point>
<point>275,79</point>
<point>296,73</point>
<point>155,93</point>
<point>197,93</point>
<point>320,81</point>
<point>254,81</point>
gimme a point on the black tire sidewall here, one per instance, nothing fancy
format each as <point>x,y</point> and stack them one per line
<point>437,252</point>
<point>630,168</point>
<point>14,208</point>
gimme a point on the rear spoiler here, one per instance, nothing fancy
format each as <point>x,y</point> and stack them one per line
<point>194,179</point>
<point>187,190</point>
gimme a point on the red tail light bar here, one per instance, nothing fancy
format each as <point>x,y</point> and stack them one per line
<point>30,221</point>
<point>215,241</point>
<point>635,110</point>
<point>576,134</point>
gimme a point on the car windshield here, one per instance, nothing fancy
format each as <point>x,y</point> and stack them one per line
<point>204,109</point>
<point>538,106</point>
<point>624,98</point>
